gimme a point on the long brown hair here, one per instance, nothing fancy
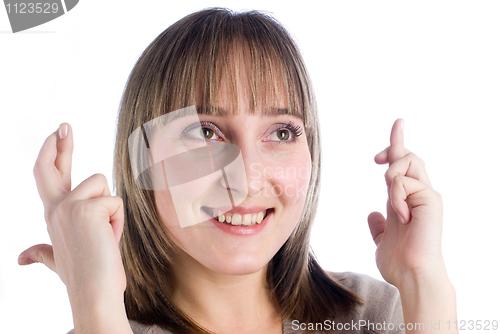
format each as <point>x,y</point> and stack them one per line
<point>187,58</point>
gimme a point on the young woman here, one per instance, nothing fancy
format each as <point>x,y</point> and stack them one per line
<point>217,169</point>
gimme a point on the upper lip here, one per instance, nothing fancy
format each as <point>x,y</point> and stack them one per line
<point>241,209</point>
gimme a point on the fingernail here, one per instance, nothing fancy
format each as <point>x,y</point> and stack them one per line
<point>24,261</point>
<point>402,124</point>
<point>401,219</point>
<point>63,130</point>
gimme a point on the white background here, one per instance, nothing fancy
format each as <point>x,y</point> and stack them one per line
<point>433,63</point>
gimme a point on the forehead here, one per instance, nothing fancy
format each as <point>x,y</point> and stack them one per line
<point>246,78</point>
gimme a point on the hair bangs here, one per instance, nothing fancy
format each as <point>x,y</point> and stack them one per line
<point>229,62</point>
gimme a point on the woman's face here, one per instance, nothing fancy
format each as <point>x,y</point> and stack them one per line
<point>262,191</point>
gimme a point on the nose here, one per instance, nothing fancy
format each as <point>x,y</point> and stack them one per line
<point>247,176</point>
<point>254,168</point>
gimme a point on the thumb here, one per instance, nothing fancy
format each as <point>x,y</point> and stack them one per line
<point>41,253</point>
<point>376,222</point>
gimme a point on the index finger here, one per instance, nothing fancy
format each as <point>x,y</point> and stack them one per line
<point>396,149</point>
<point>64,154</point>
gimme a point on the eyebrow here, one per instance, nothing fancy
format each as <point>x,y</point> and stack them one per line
<point>268,112</point>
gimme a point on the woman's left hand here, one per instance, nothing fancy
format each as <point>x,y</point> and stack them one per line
<point>409,239</point>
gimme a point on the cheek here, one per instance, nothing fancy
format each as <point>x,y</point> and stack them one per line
<point>180,206</point>
<point>289,180</point>
<point>169,216</point>
<point>166,209</point>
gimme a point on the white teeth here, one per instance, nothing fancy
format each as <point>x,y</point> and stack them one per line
<point>248,219</point>
<point>236,220</point>
<point>260,216</point>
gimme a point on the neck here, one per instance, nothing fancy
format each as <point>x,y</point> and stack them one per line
<point>224,303</point>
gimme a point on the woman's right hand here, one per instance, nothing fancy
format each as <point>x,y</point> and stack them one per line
<point>85,226</point>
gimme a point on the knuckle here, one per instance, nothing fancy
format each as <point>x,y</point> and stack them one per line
<point>48,215</point>
<point>36,169</point>
<point>415,158</point>
<point>99,180</point>
<point>412,156</point>
<point>99,177</point>
<point>398,179</point>
<point>388,175</point>
<point>438,196</point>
<point>80,209</point>
<point>86,210</point>
<point>53,214</point>
<point>119,199</point>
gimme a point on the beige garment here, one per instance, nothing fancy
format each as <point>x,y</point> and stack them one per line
<point>381,313</point>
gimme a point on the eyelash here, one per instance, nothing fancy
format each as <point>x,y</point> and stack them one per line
<point>295,130</point>
<point>201,125</point>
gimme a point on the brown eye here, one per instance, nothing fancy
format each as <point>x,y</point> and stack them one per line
<point>283,134</point>
<point>207,133</point>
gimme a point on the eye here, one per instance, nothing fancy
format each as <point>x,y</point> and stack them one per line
<point>203,131</point>
<point>281,134</point>
<point>284,133</point>
<point>207,133</point>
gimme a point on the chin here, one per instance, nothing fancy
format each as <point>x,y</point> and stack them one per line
<point>242,264</point>
<point>240,269</point>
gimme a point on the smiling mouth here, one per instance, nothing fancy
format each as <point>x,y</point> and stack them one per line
<point>236,219</point>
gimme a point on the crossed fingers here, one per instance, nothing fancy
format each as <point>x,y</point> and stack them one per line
<point>406,174</point>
